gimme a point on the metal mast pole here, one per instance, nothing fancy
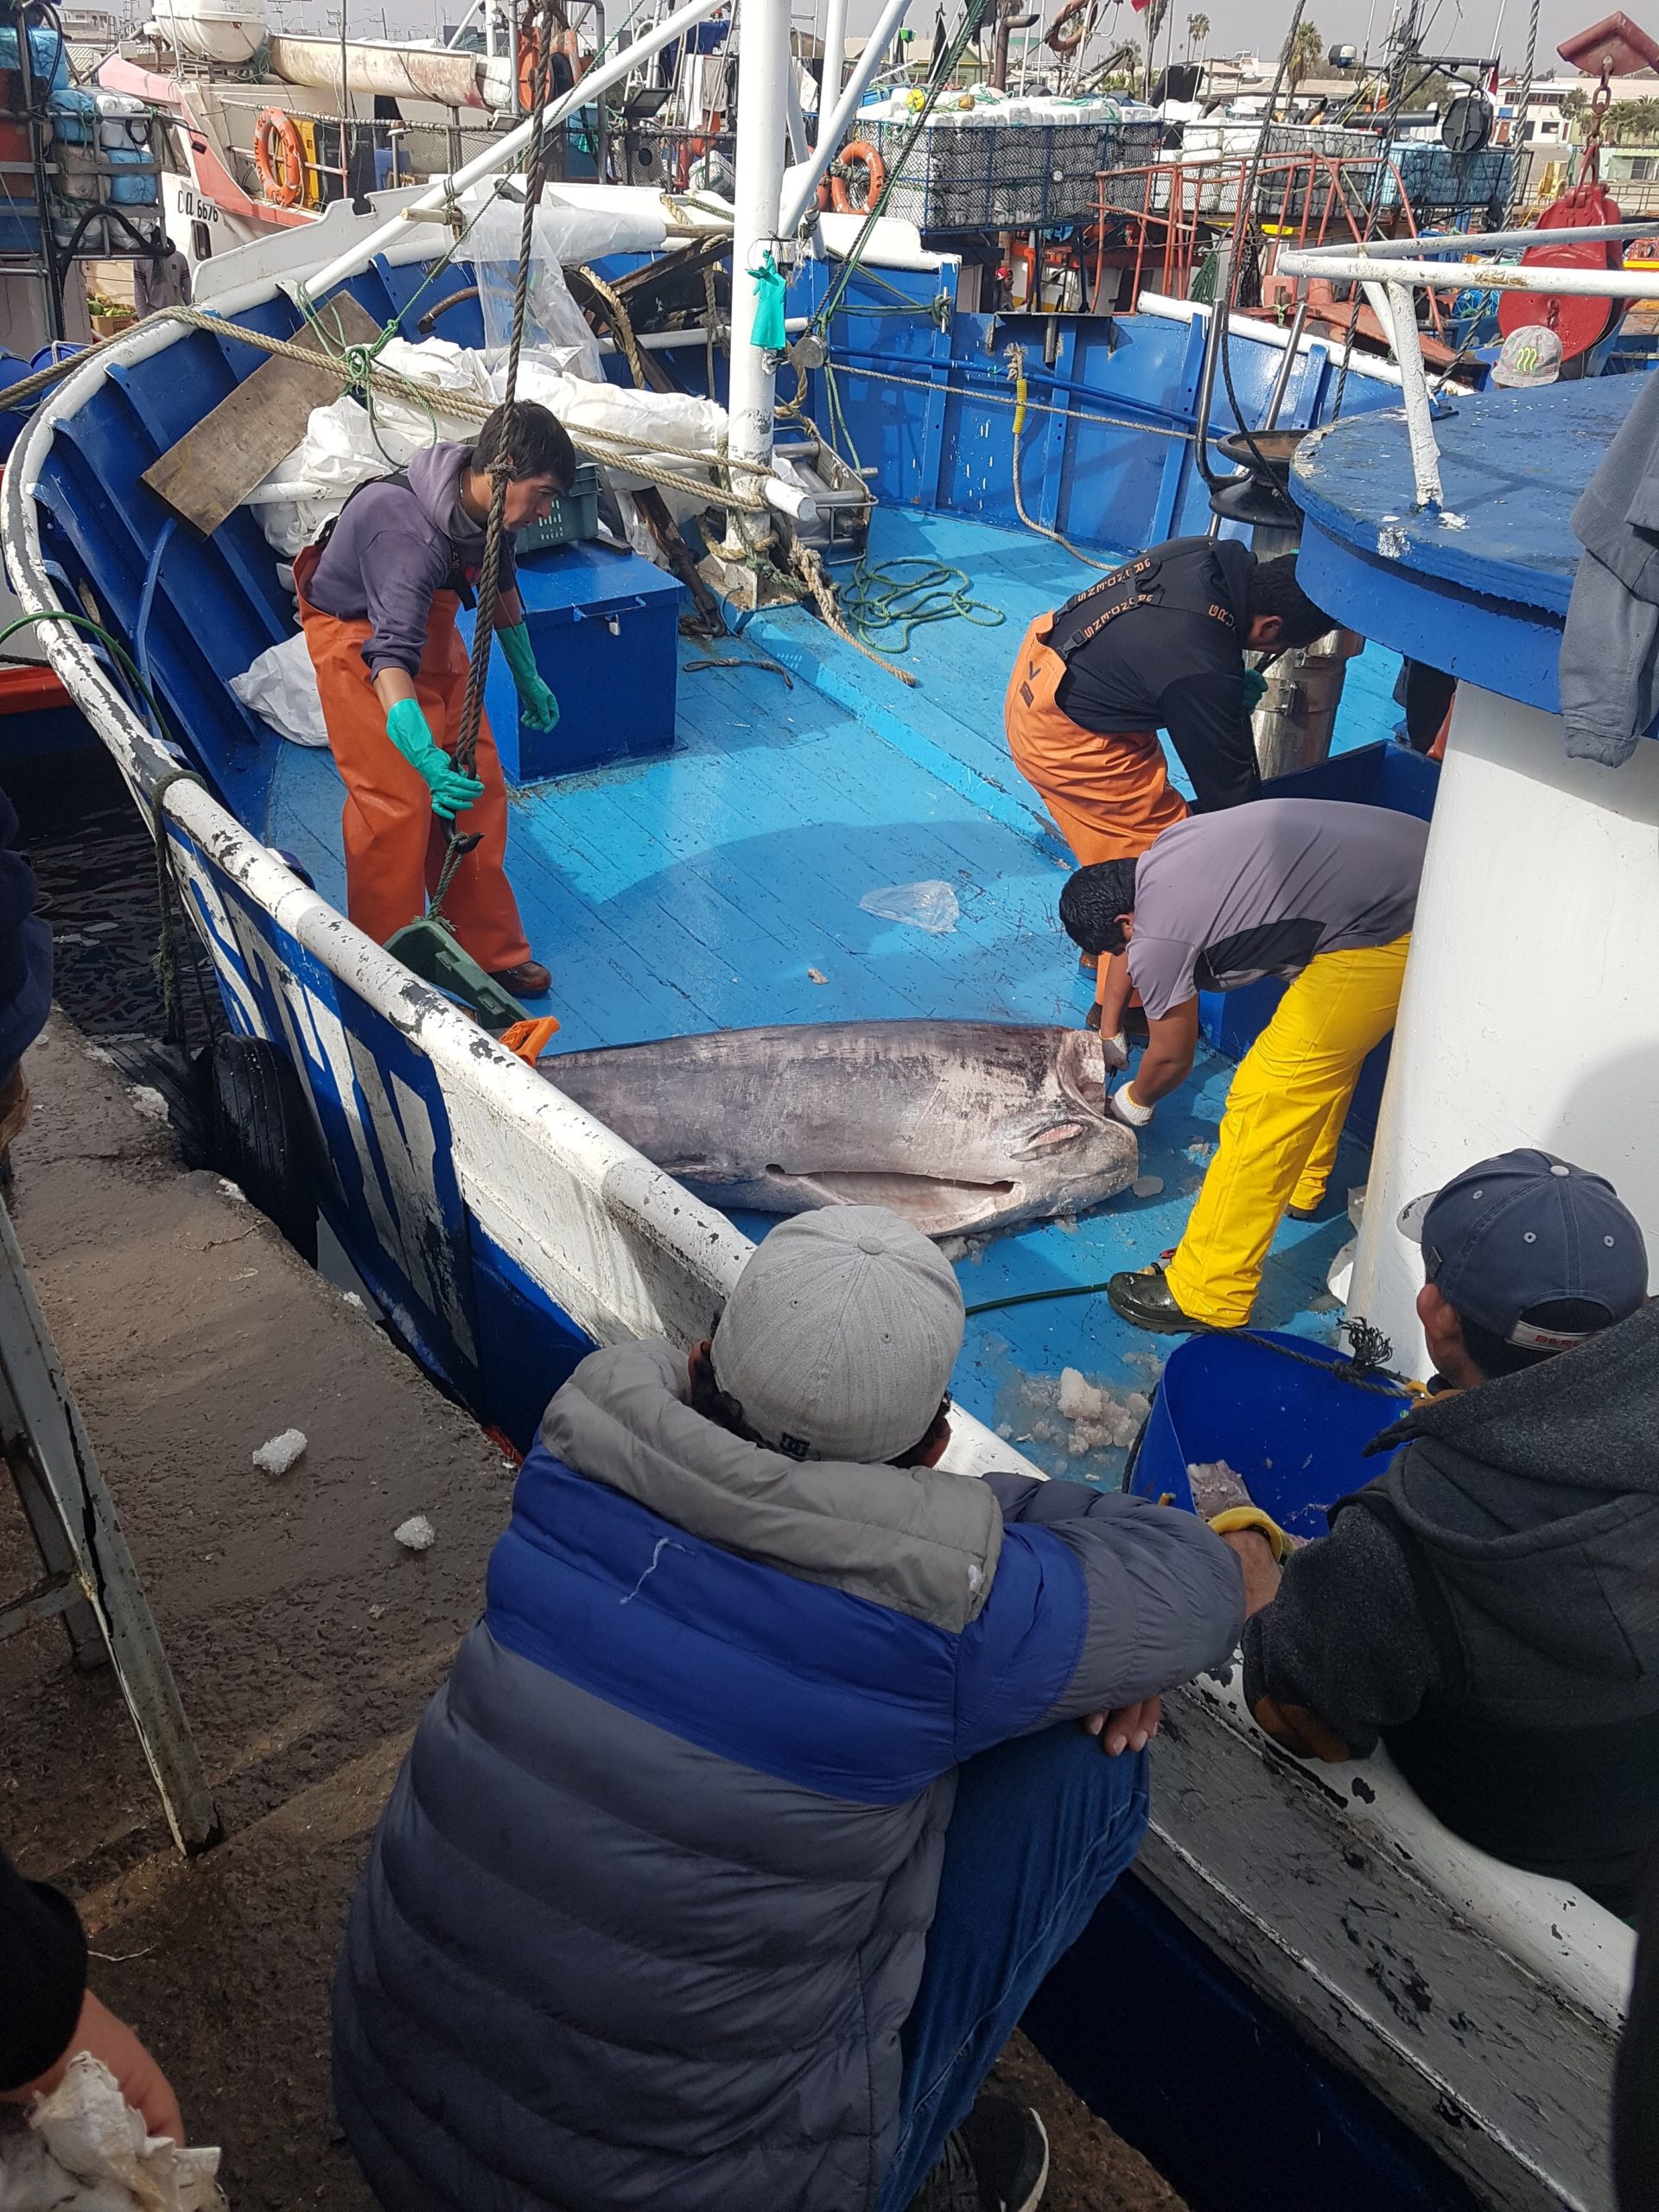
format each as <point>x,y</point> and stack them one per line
<point>835,59</point>
<point>763,72</point>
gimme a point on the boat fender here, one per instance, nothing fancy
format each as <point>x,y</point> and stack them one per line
<point>857,151</point>
<point>264,1137</point>
<point>282,182</point>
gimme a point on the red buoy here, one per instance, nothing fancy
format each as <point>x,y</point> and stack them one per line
<point>1579,323</point>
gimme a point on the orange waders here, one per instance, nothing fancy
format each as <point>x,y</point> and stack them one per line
<point>394,842</point>
<point>1109,795</point>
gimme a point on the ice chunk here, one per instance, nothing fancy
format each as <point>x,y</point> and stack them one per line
<point>1146,1186</point>
<point>415,1534</point>
<point>278,1455</point>
<point>1079,1400</point>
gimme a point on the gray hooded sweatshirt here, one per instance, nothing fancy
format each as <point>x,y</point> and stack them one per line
<point>1489,1607</point>
<point>395,544</point>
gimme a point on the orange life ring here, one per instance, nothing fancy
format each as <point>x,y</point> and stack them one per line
<point>530,61</point>
<point>858,150</point>
<point>282,183</point>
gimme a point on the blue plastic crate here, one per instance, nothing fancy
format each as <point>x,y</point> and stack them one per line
<point>1384,774</point>
<point>1293,1429</point>
<point>603,625</point>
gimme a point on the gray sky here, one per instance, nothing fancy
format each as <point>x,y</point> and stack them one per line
<point>1459,26</point>
<point>1456,26</point>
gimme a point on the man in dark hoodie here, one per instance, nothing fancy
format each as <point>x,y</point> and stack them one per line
<point>1489,1606</point>
<point>377,599</point>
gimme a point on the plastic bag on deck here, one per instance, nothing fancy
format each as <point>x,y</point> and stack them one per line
<point>281,688</point>
<point>929,906</point>
<point>86,2150</point>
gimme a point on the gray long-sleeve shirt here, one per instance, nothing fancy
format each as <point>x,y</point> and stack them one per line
<point>394,548</point>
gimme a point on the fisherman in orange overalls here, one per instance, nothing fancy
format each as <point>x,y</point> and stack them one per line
<point>377,600</point>
<point>1158,644</point>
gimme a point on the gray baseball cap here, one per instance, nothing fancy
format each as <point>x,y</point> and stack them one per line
<point>840,1335</point>
<point>1529,356</point>
<point>1540,1252</point>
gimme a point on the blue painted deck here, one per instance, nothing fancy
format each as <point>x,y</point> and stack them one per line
<point>702,890</point>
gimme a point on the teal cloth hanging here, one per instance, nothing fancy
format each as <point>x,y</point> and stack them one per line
<point>768,331</point>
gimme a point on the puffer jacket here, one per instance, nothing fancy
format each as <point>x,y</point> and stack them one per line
<point>646,1911</point>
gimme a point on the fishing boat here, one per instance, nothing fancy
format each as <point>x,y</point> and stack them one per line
<point>1310,1992</point>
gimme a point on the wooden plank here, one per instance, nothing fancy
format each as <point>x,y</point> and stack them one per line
<point>211,469</point>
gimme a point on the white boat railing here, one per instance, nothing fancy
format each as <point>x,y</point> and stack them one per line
<point>1391,270</point>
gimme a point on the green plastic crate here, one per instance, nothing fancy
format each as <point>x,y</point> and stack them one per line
<point>575,516</point>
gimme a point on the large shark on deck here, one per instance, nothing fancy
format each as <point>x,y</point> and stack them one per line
<point>959,1126</point>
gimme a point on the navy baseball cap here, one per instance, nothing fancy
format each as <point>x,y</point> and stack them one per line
<point>1540,1252</point>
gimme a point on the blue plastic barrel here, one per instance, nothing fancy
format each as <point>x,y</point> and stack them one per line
<point>1293,1428</point>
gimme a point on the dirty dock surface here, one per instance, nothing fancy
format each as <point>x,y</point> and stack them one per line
<point>305,1642</point>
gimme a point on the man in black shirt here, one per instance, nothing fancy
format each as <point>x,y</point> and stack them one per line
<point>1159,644</point>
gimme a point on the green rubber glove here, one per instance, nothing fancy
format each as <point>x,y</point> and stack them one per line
<point>537,703</point>
<point>452,791</point>
<point>1255,690</point>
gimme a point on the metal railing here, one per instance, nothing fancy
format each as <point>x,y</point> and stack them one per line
<point>1170,213</point>
<point>1391,270</point>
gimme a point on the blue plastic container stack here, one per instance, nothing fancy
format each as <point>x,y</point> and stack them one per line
<point>20,214</point>
<point>103,151</point>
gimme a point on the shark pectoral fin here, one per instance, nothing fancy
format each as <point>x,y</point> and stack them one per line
<point>935,1204</point>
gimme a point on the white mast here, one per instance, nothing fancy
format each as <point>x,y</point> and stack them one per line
<point>762,79</point>
<point>834,58</point>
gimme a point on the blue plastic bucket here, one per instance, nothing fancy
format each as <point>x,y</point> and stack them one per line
<point>1293,1429</point>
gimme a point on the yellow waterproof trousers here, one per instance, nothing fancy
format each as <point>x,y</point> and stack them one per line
<point>1284,1115</point>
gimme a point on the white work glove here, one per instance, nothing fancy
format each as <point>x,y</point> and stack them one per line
<point>1114,1050</point>
<point>1123,1106</point>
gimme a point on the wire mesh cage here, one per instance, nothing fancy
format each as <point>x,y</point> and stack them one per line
<point>971,176</point>
<point>1432,178</point>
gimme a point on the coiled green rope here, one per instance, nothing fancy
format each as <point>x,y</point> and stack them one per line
<point>880,599</point>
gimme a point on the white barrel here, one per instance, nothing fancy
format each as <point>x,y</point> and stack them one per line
<point>226,31</point>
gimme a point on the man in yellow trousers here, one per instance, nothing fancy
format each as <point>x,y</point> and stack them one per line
<point>1314,890</point>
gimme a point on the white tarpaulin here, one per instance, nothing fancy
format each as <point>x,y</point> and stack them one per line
<point>344,448</point>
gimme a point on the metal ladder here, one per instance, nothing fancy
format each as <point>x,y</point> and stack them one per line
<point>88,1576</point>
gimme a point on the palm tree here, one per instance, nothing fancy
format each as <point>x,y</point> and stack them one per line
<point>1197,34</point>
<point>1574,106</point>
<point>1307,53</point>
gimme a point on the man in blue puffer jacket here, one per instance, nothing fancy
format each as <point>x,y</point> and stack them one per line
<point>743,1830</point>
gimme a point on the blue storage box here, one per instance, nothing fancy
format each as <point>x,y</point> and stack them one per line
<point>603,625</point>
<point>1384,774</point>
<point>1293,1429</point>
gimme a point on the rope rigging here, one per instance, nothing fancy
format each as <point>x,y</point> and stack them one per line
<point>461,841</point>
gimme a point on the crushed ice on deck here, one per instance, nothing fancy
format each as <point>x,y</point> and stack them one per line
<point>1088,1425</point>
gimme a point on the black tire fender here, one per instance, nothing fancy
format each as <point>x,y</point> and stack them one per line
<point>264,1137</point>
